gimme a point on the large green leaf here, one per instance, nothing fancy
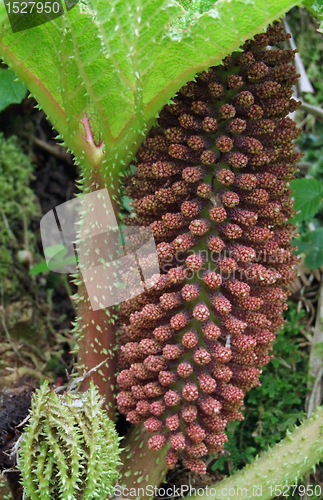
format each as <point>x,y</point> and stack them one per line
<point>118,62</point>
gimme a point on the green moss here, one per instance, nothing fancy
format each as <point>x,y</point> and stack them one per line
<point>17,207</point>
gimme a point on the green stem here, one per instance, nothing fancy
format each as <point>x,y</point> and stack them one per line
<point>284,464</point>
<point>312,110</point>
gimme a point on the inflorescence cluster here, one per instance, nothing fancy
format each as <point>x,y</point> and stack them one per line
<point>212,183</point>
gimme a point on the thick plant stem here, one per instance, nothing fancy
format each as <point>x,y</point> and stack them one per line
<point>142,468</point>
<point>96,330</point>
<point>95,349</point>
<point>284,464</point>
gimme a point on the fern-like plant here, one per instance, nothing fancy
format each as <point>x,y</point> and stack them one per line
<point>70,447</point>
<point>102,73</point>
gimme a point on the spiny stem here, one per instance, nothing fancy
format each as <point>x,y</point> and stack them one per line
<point>142,467</point>
<point>284,464</point>
<point>95,347</point>
<point>96,329</point>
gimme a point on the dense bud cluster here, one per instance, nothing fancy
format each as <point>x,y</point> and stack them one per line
<point>212,183</point>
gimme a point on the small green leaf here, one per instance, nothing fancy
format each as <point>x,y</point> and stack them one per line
<point>53,250</point>
<point>125,203</point>
<point>11,92</point>
<point>308,195</point>
<point>38,268</point>
<point>57,255</point>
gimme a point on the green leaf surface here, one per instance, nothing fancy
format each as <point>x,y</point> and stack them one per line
<point>126,203</point>
<point>314,259</point>
<point>308,195</point>
<point>39,268</point>
<point>115,64</point>
<point>316,237</point>
<point>312,245</point>
<point>53,250</point>
<point>302,246</point>
<point>11,91</point>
